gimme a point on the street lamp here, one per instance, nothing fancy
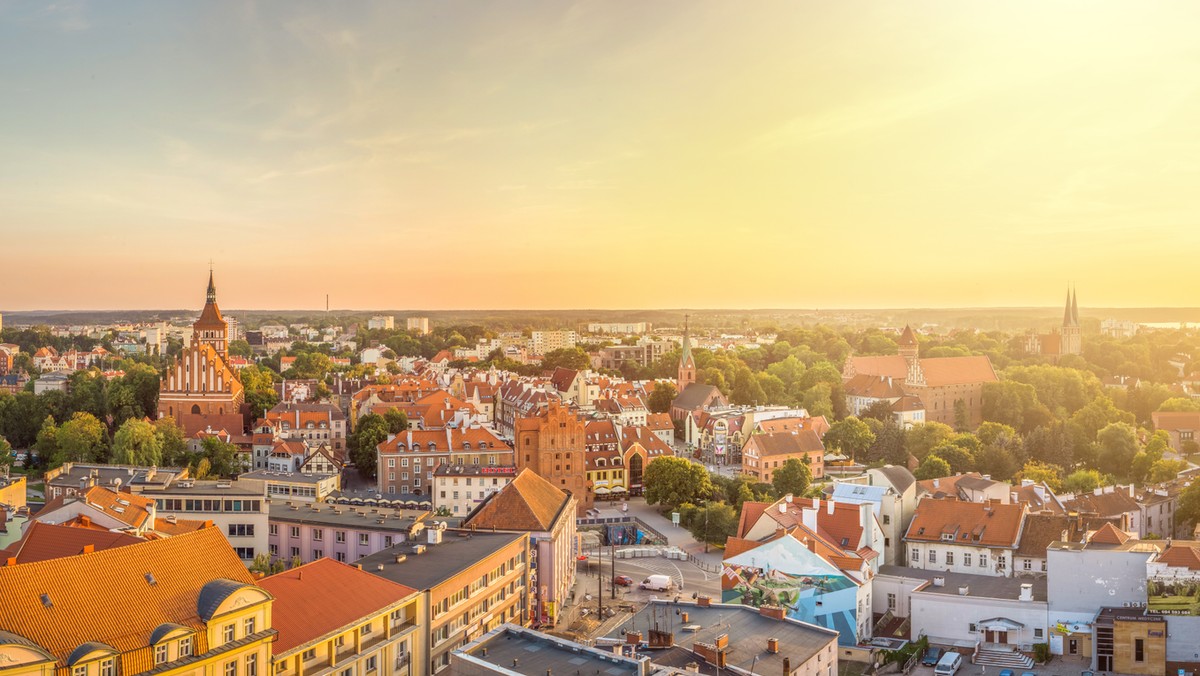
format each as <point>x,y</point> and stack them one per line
<point>706,503</point>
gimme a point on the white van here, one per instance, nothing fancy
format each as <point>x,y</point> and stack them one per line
<point>949,664</point>
<point>657,583</point>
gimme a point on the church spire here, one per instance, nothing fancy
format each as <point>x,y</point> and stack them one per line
<point>1068,317</point>
<point>687,343</point>
<point>687,363</point>
<point>1074,306</point>
<point>212,288</point>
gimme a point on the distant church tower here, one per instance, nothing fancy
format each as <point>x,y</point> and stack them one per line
<point>1071,340</point>
<point>211,328</point>
<point>687,363</point>
<point>908,348</point>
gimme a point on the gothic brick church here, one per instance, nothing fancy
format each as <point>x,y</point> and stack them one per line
<point>200,390</point>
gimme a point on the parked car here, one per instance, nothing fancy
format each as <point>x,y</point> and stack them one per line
<point>657,583</point>
<point>1028,673</point>
<point>931,657</point>
<point>623,581</point>
<point>948,665</point>
<point>1007,672</point>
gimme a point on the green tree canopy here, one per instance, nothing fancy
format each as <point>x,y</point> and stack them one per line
<point>792,477</point>
<point>397,420</point>
<point>1082,481</point>
<point>932,467</point>
<point>922,439</point>
<point>958,458</point>
<point>670,482</point>
<point>83,438</point>
<point>370,431</point>
<point>136,443</point>
<point>1118,447</point>
<point>1041,472</point>
<point>661,398</point>
<point>851,436</point>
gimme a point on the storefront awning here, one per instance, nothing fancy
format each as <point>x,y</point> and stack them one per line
<point>600,490</point>
<point>618,489</point>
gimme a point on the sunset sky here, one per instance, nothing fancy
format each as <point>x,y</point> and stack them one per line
<point>608,154</point>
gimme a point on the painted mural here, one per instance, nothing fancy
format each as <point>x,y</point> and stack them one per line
<point>785,573</point>
<point>1173,596</point>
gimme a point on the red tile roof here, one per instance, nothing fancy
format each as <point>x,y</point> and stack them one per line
<point>1108,535</point>
<point>326,597</point>
<point>528,503</point>
<point>43,541</point>
<point>989,524</point>
<point>1181,556</point>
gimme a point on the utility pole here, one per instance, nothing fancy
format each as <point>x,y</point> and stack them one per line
<point>706,503</point>
<point>612,554</point>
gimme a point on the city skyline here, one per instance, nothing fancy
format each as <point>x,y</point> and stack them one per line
<point>606,155</point>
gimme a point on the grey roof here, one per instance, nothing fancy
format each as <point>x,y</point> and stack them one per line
<point>213,594</point>
<point>693,396</point>
<point>345,516</point>
<point>286,477</point>
<point>439,562</point>
<point>978,586</point>
<point>975,483</point>
<point>207,488</point>
<point>525,651</point>
<point>86,649</point>
<point>9,638</point>
<point>899,476</point>
<point>163,629</point>
<point>105,474</point>
<point>748,632</point>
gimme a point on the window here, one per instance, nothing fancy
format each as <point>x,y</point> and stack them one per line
<point>245,553</point>
<point>364,630</point>
<point>364,539</point>
<point>1043,565</point>
<point>108,667</point>
<point>339,536</point>
<point>318,535</point>
<point>966,558</point>
<point>295,552</point>
<point>1027,564</point>
<point>1001,561</point>
<point>340,556</point>
<point>295,531</point>
<point>339,641</point>
<point>891,601</point>
<point>372,663</point>
<point>916,555</point>
<point>185,648</point>
<point>391,462</point>
<point>241,530</point>
<point>273,529</point>
<point>80,670</point>
<point>250,625</point>
<point>160,653</point>
<point>347,672</point>
<point>274,549</point>
<point>251,665</point>
<point>231,668</point>
<point>229,633</point>
<point>1139,650</point>
<point>308,654</point>
<point>318,554</point>
<point>1037,632</point>
<point>932,556</point>
<point>983,560</point>
<point>387,541</point>
<point>886,519</point>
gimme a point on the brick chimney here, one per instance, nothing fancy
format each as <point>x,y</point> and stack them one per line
<point>773,645</point>
<point>773,612</point>
<point>703,601</point>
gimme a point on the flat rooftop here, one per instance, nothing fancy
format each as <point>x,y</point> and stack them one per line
<point>191,487</point>
<point>286,477</point>
<point>105,475</point>
<point>525,651</point>
<point>458,551</point>
<point>747,629</point>
<point>979,586</point>
<point>345,516</point>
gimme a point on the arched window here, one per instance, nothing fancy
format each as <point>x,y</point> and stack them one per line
<point>196,409</point>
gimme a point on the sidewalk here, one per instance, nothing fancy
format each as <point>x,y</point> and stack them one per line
<point>677,536</point>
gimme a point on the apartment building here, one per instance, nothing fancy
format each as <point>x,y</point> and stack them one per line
<point>344,533</point>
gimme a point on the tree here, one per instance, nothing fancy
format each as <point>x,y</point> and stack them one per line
<point>932,467</point>
<point>1118,447</point>
<point>715,522</point>
<point>220,455</point>
<point>1082,481</point>
<point>1180,404</point>
<point>370,431</point>
<point>881,410</point>
<point>670,482</point>
<point>958,458</point>
<point>889,443</point>
<point>573,358</point>
<point>962,417</point>
<point>1188,511</point>
<point>265,565</point>
<point>240,348</point>
<point>792,477</point>
<point>397,420</point>
<point>47,442</point>
<point>312,365</point>
<point>921,439</point>
<point>661,398</point>
<point>136,443</point>
<point>6,455</point>
<point>171,442</point>
<point>259,386</point>
<point>1040,472</point>
<point>850,436</point>
<point>746,390</point>
<point>818,400</point>
<point>1015,404</point>
<point>1166,470</point>
<point>82,439</point>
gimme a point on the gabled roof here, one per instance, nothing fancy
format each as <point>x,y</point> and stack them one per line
<point>907,338</point>
<point>325,597</point>
<point>117,583</point>
<point>939,371</point>
<point>1181,556</point>
<point>696,395</point>
<point>1108,535</point>
<point>786,443</point>
<point>1041,530</point>
<point>977,524</point>
<point>132,510</point>
<point>43,541</point>
<point>529,503</point>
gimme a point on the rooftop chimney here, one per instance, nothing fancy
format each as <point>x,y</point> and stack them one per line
<point>787,666</point>
<point>773,645</point>
<point>829,507</point>
<point>1026,592</point>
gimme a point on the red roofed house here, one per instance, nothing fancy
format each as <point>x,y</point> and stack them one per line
<point>333,613</point>
<point>850,532</point>
<point>765,453</point>
<point>554,445</point>
<point>965,537</point>
<point>939,382</point>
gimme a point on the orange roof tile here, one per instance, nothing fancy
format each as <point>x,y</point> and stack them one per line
<point>325,597</point>
<point>43,541</point>
<point>1108,535</point>
<point>1181,556</point>
<point>528,503</point>
<point>82,590</point>
<point>989,524</point>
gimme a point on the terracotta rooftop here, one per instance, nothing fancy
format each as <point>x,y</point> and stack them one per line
<point>939,371</point>
<point>1108,535</point>
<point>1181,556</point>
<point>986,524</point>
<point>786,443</point>
<point>43,541</point>
<point>138,587</point>
<point>323,598</point>
<point>529,503</point>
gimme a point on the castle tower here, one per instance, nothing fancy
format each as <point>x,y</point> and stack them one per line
<point>1071,341</point>
<point>211,328</point>
<point>908,348</point>
<point>687,363</point>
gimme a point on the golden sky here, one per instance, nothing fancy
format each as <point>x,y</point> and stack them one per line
<point>607,154</point>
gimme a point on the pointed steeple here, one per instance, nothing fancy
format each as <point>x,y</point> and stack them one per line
<point>686,356</point>
<point>687,363</point>
<point>907,337</point>
<point>1068,318</point>
<point>212,288</point>
<point>1074,307</point>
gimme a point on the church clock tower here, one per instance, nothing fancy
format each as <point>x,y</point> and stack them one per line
<point>687,363</point>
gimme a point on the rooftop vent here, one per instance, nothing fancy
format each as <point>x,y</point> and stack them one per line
<point>150,579</point>
<point>46,602</point>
